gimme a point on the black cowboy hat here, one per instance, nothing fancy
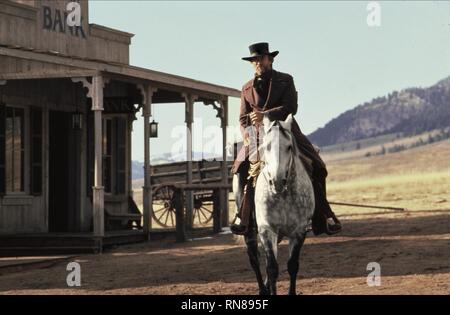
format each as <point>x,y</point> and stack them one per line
<point>258,50</point>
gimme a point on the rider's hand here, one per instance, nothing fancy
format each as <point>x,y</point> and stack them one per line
<point>256,117</point>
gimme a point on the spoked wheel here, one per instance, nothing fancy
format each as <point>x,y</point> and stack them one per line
<point>164,212</point>
<point>203,211</point>
<point>163,206</point>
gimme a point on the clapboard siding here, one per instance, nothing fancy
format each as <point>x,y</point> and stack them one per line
<point>50,94</point>
<point>23,215</point>
<point>23,26</point>
<point>13,65</point>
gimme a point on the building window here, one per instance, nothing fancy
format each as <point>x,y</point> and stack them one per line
<point>107,154</point>
<point>114,154</point>
<point>121,152</point>
<point>14,149</point>
<point>36,151</point>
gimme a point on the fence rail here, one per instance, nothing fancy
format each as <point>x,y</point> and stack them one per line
<point>365,206</point>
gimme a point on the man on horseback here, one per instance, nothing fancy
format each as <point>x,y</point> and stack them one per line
<point>273,93</point>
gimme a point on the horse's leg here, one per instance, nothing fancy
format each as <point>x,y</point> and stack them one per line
<point>269,240</point>
<point>295,245</point>
<point>251,240</point>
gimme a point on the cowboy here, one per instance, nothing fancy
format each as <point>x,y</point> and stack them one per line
<point>274,93</point>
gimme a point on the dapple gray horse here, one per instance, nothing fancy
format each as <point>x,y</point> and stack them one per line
<point>284,204</point>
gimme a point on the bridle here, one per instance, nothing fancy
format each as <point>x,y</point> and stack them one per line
<point>291,157</point>
<point>292,153</point>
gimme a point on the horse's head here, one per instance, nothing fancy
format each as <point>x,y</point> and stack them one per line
<point>278,146</point>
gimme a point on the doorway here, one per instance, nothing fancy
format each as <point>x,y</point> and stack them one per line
<point>59,166</point>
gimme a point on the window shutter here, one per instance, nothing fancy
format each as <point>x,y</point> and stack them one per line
<point>36,151</point>
<point>121,130</point>
<point>90,153</point>
<point>2,148</point>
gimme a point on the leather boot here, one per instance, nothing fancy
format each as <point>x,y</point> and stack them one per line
<point>324,220</point>
<point>245,212</point>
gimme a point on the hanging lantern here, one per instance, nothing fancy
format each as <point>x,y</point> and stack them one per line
<point>153,129</point>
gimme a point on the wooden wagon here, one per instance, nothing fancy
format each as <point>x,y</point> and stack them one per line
<point>164,177</point>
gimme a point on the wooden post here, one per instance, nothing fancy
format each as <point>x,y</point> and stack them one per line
<point>98,189</point>
<point>189,118</point>
<point>147,93</point>
<point>95,92</point>
<point>217,224</point>
<point>179,213</point>
<point>225,192</point>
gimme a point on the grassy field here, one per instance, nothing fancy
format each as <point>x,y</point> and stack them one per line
<point>372,146</point>
<point>415,179</point>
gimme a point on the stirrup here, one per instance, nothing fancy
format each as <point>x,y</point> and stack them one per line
<point>236,216</point>
<point>238,229</point>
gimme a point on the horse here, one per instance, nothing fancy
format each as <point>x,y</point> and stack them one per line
<point>284,204</point>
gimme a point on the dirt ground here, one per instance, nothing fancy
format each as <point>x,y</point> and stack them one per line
<point>412,249</point>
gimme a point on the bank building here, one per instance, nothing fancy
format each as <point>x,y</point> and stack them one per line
<point>68,100</point>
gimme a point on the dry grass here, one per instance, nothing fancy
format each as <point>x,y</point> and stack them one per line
<point>415,179</point>
<point>373,146</point>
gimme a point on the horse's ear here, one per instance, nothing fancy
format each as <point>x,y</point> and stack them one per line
<point>288,121</point>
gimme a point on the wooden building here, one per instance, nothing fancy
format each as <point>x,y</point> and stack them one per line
<point>68,99</point>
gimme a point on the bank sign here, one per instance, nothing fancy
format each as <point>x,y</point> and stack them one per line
<point>68,21</point>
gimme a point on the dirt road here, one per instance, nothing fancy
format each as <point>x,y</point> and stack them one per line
<point>412,249</point>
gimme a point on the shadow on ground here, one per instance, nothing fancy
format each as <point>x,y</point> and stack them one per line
<point>402,245</point>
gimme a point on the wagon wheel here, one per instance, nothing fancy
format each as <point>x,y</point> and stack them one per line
<point>202,212</point>
<point>163,206</point>
<point>164,212</point>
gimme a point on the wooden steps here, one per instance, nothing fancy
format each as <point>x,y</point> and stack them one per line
<point>64,244</point>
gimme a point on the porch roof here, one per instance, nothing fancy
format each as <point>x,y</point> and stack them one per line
<point>50,65</point>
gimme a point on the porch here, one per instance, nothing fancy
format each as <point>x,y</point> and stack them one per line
<point>40,244</point>
<point>89,97</point>
<point>67,107</point>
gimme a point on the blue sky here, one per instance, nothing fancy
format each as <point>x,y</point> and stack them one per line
<point>337,61</point>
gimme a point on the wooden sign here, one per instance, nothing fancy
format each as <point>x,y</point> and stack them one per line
<point>56,20</point>
<point>57,16</point>
<point>61,26</point>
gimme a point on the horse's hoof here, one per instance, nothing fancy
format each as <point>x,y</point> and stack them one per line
<point>264,291</point>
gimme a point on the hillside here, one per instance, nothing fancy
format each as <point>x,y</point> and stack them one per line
<point>409,112</point>
<point>380,145</point>
<point>431,158</point>
<point>415,179</point>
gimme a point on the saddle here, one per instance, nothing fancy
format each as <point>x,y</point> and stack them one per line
<point>247,206</point>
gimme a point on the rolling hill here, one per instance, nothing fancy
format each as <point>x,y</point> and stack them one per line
<point>409,112</point>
